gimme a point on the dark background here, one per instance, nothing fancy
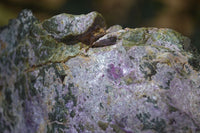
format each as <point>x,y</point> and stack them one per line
<point>181,15</point>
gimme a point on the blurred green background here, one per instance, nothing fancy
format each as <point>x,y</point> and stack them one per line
<point>181,15</point>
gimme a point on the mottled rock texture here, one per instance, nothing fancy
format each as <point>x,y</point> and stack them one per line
<point>70,74</point>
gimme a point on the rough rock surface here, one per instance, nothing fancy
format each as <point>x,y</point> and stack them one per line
<point>69,74</point>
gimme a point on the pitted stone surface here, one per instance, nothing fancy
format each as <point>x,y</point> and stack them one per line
<point>69,74</point>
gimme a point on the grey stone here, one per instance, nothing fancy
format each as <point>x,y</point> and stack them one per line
<point>69,74</point>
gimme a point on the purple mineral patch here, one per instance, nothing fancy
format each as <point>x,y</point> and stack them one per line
<point>114,73</point>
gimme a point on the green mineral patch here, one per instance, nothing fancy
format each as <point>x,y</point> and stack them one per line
<point>60,113</point>
<point>20,53</point>
<point>195,62</point>
<point>3,124</point>
<point>69,96</point>
<point>37,30</point>
<point>61,70</point>
<point>148,69</point>
<point>169,35</point>
<point>136,36</point>
<point>79,127</point>
<point>31,81</point>
<point>89,127</point>
<point>130,78</point>
<point>51,25</point>
<point>157,124</point>
<point>117,129</point>
<point>8,113</point>
<point>161,48</point>
<point>20,86</point>
<point>53,52</point>
<point>72,113</point>
<point>172,108</point>
<point>58,117</point>
<point>129,44</point>
<point>150,100</point>
<point>166,83</point>
<point>103,125</point>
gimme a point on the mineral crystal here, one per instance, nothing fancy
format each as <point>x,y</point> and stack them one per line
<point>69,74</point>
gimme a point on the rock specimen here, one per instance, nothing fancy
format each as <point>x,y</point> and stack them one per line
<point>70,74</point>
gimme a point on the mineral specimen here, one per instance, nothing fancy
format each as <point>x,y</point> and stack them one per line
<point>69,74</point>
